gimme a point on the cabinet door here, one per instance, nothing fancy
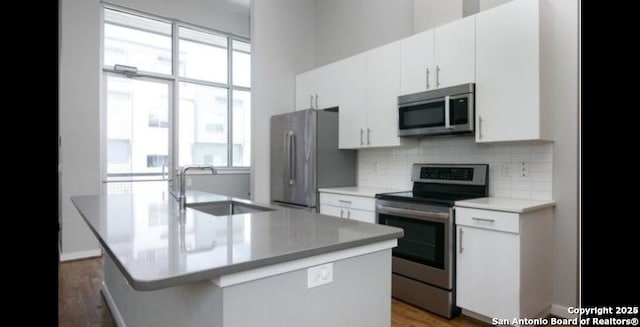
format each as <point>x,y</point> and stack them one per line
<point>455,52</point>
<point>383,88</point>
<point>416,56</point>
<point>507,73</point>
<point>361,215</point>
<point>330,210</point>
<point>304,90</point>
<point>487,272</point>
<point>327,92</point>
<point>352,115</point>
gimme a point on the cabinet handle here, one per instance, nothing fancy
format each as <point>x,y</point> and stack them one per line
<point>361,137</point>
<point>428,86</point>
<point>460,232</point>
<point>316,101</point>
<point>341,213</point>
<point>368,136</point>
<point>479,127</point>
<point>311,101</point>
<point>447,112</point>
<point>437,75</point>
<point>348,214</point>
<point>344,201</point>
<point>484,219</point>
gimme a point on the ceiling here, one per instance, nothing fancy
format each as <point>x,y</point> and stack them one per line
<point>236,5</point>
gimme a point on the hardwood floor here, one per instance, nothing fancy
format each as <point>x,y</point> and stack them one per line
<point>405,315</point>
<point>80,302</point>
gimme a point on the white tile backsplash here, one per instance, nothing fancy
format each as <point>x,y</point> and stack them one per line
<point>391,167</point>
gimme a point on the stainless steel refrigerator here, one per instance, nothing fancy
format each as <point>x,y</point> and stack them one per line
<point>305,157</point>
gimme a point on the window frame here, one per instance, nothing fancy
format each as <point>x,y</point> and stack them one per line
<point>175,79</point>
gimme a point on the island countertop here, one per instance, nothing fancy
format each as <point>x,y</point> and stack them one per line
<point>156,246</point>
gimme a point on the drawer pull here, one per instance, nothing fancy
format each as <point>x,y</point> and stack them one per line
<point>341,213</point>
<point>484,219</point>
<point>344,201</point>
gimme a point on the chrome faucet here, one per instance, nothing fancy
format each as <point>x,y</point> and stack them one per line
<point>183,176</point>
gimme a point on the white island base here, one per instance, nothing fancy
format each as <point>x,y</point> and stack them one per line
<point>271,296</point>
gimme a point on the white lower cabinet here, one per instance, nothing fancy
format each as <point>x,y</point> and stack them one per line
<point>503,262</point>
<point>349,207</point>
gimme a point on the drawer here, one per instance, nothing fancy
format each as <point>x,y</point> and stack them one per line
<point>488,219</point>
<point>348,213</point>
<point>348,201</point>
<point>360,215</point>
<point>330,210</point>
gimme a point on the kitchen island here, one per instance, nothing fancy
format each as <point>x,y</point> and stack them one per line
<point>259,265</point>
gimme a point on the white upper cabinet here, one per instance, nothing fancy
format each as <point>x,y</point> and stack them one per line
<point>455,48</point>
<point>317,89</point>
<point>441,57</point>
<point>353,102</point>
<point>383,88</point>
<point>304,90</point>
<point>508,74</point>
<point>416,63</point>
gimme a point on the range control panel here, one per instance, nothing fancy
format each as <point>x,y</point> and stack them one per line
<point>447,173</point>
<point>454,174</point>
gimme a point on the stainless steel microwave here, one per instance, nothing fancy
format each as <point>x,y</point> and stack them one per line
<point>448,110</point>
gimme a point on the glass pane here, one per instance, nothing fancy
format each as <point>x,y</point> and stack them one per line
<point>202,56</point>
<point>203,126</point>
<point>241,128</point>
<point>137,41</point>
<point>135,145</point>
<point>241,69</point>
<point>241,63</point>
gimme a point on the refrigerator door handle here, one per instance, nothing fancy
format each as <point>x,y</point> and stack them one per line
<point>292,158</point>
<point>287,146</point>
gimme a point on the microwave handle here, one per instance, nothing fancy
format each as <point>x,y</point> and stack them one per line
<point>447,112</point>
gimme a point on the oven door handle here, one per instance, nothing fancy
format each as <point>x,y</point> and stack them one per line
<point>417,214</point>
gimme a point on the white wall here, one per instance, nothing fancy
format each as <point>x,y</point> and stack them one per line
<point>206,13</point>
<point>79,107</point>
<point>487,4</point>
<point>79,120</point>
<point>559,84</point>
<point>282,47</point>
<point>347,27</point>
<point>431,13</point>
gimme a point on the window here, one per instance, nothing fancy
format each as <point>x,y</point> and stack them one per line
<point>210,84</point>
<point>137,41</point>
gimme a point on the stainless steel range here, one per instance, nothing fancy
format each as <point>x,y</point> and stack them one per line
<point>423,263</point>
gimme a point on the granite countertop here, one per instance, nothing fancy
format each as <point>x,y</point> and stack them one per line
<point>359,190</point>
<point>506,204</point>
<point>155,246</point>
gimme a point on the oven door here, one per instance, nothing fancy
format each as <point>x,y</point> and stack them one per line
<point>446,115</point>
<point>424,253</point>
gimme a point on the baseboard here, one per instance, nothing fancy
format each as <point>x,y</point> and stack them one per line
<point>562,312</point>
<point>115,313</point>
<point>80,255</point>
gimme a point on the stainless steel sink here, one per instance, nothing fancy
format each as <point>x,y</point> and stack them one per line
<point>226,208</point>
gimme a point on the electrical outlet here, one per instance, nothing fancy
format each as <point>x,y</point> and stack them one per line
<point>319,275</point>
<point>524,169</point>
<point>505,169</point>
